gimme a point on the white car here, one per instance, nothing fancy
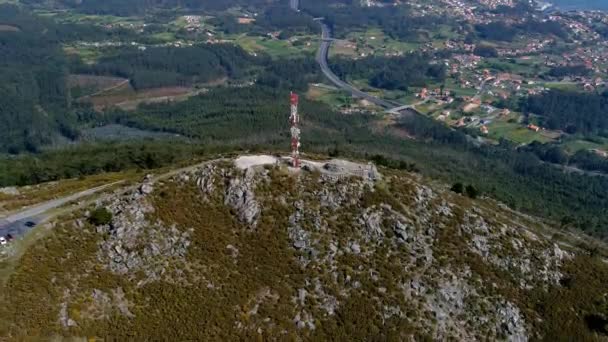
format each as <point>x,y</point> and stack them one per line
<point>3,241</point>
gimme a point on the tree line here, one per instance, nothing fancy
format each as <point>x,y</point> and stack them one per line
<point>396,21</point>
<point>584,159</point>
<point>571,111</point>
<point>169,66</point>
<point>393,73</point>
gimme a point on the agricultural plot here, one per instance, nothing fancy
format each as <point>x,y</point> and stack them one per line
<point>276,47</point>
<point>575,145</point>
<point>88,54</point>
<point>517,133</point>
<point>127,98</point>
<point>372,41</point>
<point>96,20</point>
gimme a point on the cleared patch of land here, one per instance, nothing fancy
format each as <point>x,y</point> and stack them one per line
<point>84,86</point>
<point>9,28</point>
<point>120,132</point>
<point>99,82</point>
<point>128,99</point>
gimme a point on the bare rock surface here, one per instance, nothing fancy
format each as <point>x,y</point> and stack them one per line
<point>134,245</point>
<point>240,196</point>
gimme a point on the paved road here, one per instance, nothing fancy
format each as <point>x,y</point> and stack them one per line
<point>322,60</point>
<point>410,107</point>
<point>482,87</point>
<point>19,223</point>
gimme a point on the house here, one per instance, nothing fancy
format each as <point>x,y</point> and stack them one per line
<point>533,127</point>
<point>423,93</point>
<point>600,153</point>
<point>484,129</point>
<point>588,87</point>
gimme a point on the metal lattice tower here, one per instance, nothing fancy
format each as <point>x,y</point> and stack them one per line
<point>294,119</point>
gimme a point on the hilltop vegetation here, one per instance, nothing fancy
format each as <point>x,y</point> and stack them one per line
<point>223,253</point>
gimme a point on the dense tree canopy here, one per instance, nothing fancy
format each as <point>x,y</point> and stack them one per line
<point>397,22</point>
<point>169,66</point>
<point>570,70</point>
<point>570,111</point>
<point>390,72</point>
<point>139,7</point>
<point>33,93</point>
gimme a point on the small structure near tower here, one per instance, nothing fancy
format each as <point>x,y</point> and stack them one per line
<point>294,119</point>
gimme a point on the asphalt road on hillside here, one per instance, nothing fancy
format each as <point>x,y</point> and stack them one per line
<point>19,223</point>
<point>322,60</point>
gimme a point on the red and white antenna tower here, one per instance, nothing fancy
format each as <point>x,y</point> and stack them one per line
<point>294,119</point>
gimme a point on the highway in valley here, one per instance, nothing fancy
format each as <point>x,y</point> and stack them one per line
<point>322,57</point>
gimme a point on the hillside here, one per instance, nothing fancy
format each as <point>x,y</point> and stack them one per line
<point>338,251</point>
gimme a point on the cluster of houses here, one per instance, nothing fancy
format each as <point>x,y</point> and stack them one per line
<point>496,3</point>
<point>532,47</point>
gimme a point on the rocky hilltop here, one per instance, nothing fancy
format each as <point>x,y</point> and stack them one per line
<point>338,250</point>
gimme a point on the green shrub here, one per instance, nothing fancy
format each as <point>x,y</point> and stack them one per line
<point>100,217</point>
<point>458,188</point>
<point>471,191</point>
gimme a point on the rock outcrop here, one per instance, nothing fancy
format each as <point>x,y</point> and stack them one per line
<point>265,251</point>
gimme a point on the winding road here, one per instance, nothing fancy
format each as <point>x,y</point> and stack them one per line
<point>322,57</point>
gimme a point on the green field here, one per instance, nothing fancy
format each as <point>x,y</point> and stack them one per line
<point>374,40</point>
<point>515,132</point>
<point>582,144</point>
<point>274,47</point>
<point>165,37</point>
<point>98,20</point>
<point>334,98</point>
<point>88,54</point>
<point>571,86</point>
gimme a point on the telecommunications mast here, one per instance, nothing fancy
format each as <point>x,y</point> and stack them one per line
<point>294,119</point>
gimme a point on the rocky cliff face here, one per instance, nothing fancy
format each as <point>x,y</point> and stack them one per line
<point>328,253</point>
